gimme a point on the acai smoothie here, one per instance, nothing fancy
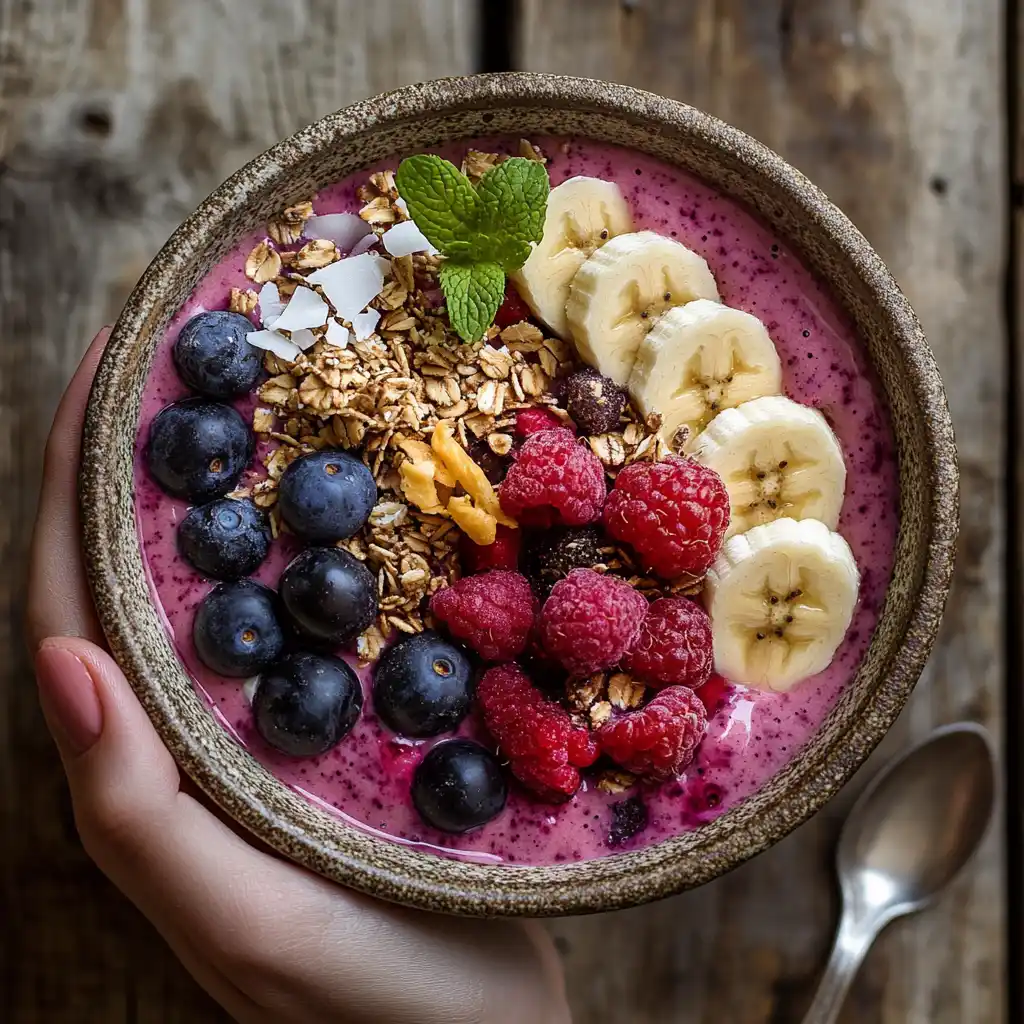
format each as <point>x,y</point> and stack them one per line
<point>518,502</point>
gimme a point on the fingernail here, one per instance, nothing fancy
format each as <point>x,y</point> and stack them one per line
<point>69,698</point>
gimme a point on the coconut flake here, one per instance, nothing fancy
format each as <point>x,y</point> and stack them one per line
<point>364,324</point>
<point>343,229</point>
<point>249,687</point>
<point>271,341</point>
<point>337,334</point>
<point>364,244</point>
<point>304,339</point>
<point>351,284</point>
<point>305,309</point>
<point>271,306</point>
<point>402,205</point>
<point>404,239</point>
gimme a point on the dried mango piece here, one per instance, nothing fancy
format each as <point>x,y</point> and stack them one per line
<point>418,486</point>
<point>420,451</point>
<point>443,476</point>
<point>479,526</point>
<point>467,472</point>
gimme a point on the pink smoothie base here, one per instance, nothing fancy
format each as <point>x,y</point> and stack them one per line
<point>752,734</point>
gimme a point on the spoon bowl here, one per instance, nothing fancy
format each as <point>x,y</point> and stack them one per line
<point>912,830</point>
<point>918,822</point>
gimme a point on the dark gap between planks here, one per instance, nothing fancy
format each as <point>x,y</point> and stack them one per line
<point>1014,562</point>
<point>496,40</point>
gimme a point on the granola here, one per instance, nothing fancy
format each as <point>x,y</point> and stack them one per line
<point>383,396</point>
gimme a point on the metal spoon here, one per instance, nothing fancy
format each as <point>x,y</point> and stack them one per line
<point>914,827</point>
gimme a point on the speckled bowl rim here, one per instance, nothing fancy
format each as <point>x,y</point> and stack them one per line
<point>353,856</point>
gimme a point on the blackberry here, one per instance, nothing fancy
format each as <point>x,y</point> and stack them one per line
<point>495,466</point>
<point>629,817</point>
<point>594,402</point>
<point>561,551</point>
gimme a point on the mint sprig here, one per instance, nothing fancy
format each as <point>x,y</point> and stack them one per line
<point>473,293</point>
<point>484,232</point>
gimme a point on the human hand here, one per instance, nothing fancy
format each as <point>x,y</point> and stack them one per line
<point>267,939</point>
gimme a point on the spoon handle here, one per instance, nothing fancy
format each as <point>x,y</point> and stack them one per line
<point>853,940</point>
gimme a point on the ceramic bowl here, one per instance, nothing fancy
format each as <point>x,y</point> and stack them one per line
<point>413,119</point>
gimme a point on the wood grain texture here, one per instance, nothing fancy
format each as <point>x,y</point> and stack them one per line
<point>896,109</point>
<point>116,118</point>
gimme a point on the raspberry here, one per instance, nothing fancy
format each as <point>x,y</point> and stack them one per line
<point>673,645</point>
<point>595,402</point>
<point>513,309</point>
<point>544,748</point>
<point>589,620</point>
<point>673,514</point>
<point>659,740</point>
<point>558,553</point>
<point>493,613</point>
<point>502,554</point>
<point>532,421</point>
<point>715,693</point>
<point>554,480</point>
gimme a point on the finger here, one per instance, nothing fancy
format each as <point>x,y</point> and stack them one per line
<point>289,934</point>
<point>59,602</point>
<point>124,787</point>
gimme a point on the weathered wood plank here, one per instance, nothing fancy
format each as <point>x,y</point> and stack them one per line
<point>116,119</point>
<point>896,109</point>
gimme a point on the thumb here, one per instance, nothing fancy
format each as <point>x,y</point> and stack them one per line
<point>116,765</point>
<point>132,818</point>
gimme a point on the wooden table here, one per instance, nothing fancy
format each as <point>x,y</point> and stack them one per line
<point>118,116</point>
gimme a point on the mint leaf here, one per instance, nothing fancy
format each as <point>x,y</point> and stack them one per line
<point>441,201</point>
<point>514,197</point>
<point>473,292</point>
<point>485,232</point>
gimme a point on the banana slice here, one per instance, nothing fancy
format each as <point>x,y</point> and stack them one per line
<point>618,294</point>
<point>778,460</point>
<point>583,213</point>
<point>781,597</point>
<point>699,359</point>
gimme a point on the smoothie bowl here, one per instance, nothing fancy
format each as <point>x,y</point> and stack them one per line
<point>519,495</point>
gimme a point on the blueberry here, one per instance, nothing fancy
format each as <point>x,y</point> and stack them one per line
<point>459,785</point>
<point>197,449</point>
<point>305,703</point>
<point>225,539</point>
<point>212,356</point>
<point>236,631</point>
<point>326,496</point>
<point>422,686</point>
<point>329,594</point>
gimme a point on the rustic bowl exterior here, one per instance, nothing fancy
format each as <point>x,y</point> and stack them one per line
<point>522,105</point>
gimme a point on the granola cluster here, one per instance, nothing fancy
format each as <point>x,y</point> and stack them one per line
<point>592,700</point>
<point>383,396</point>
